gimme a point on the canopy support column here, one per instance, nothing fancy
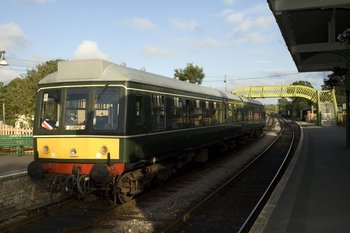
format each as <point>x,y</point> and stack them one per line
<point>347,104</point>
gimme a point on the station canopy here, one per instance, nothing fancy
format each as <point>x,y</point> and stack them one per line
<point>310,29</point>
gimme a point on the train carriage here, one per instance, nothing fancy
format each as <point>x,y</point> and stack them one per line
<point>102,126</point>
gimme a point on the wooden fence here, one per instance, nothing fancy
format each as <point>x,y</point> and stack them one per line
<point>10,130</point>
<point>15,140</point>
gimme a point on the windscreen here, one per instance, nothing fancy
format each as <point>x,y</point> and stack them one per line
<point>75,114</point>
<point>80,109</point>
<point>106,108</point>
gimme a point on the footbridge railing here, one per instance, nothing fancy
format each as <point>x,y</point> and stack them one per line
<point>324,99</point>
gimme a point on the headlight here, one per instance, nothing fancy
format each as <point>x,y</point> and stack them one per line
<point>104,150</point>
<point>73,152</point>
<point>46,150</point>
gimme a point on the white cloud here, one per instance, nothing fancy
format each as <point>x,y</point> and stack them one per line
<point>235,18</point>
<point>38,1</point>
<point>12,36</point>
<point>6,75</point>
<point>229,2</point>
<point>245,23</point>
<point>255,38</point>
<point>140,23</point>
<point>249,25</point>
<point>204,44</point>
<point>264,21</point>
<point>157,52</point>
<point>88,49</point>
<point>225,13</point>
<point>251,53</point>
<point>184,24</point>
<point>256,9</point>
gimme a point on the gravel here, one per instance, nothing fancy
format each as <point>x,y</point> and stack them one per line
<point>159,207</point>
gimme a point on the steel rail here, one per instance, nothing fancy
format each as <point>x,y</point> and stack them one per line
<point>30,216</point>
<point>88,221</point>
<point>189,213</point>
<point>258,207</point>
<point>129,205</point>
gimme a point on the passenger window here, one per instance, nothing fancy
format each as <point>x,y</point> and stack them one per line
<point>176,113</point>
<point>139,111</point>
<point>237,112</point>
<point>188,113</point>
<point>185,113</point>
<point>230,113</point>
<point>158,112</point>
<point>215,113</point>
<point>198,117</point>
<point>206,113</point>
<point>257,114</point>
<point>219,112</point>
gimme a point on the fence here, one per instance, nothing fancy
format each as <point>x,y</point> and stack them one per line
<point>10,130</point>
<point>15,139</point>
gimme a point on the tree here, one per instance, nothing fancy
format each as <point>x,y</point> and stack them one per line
<point>301,103</point>
<point>336,81</point>
<point>192,73</point>
<point>271,108</point>
<point>284,107</point>
<point>20,93</point>
<point>293,107</point>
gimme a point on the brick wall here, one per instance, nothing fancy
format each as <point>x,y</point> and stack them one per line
<point>20,192</point>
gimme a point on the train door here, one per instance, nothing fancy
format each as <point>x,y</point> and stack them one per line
<point>140,114</point>
<point>137,125</point>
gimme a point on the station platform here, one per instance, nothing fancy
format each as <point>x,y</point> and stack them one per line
<point>12,164</point>
<point>313,196</point>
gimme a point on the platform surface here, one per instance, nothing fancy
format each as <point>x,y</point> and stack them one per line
<point>315,197</point>
<point>12,164</point>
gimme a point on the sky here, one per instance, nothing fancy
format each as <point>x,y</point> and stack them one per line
<point>236,40</point>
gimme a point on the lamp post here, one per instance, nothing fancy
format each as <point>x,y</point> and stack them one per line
<point>3,62</point>
<point>3,112</point>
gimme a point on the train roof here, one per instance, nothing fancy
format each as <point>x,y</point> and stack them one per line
<point>101,70</point>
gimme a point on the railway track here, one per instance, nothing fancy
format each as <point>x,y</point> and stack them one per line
<point>152,212</point>
<point>234,206</point>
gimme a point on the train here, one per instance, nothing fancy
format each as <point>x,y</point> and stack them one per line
<point>109,129</point>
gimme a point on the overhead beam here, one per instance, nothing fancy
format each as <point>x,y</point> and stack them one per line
<point>291,5</point>
<point>317,47</point>
<point>323,62</point>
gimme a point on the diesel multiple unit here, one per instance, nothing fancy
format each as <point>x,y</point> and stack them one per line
<point>112,129</point>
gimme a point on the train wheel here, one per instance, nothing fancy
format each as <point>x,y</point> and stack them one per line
<point>125,189</point>
<point>83,186</point>
<point>111,192</point>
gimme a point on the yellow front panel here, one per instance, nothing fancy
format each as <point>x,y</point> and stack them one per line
<point>86,148</point>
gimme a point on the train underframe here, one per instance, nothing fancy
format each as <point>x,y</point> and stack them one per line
<point>115,182</point>
<point>109,181</point>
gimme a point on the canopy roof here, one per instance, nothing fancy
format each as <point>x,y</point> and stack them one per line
<point>310,29</point>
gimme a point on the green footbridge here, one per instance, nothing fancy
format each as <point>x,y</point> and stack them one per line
<point>327,110</point>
